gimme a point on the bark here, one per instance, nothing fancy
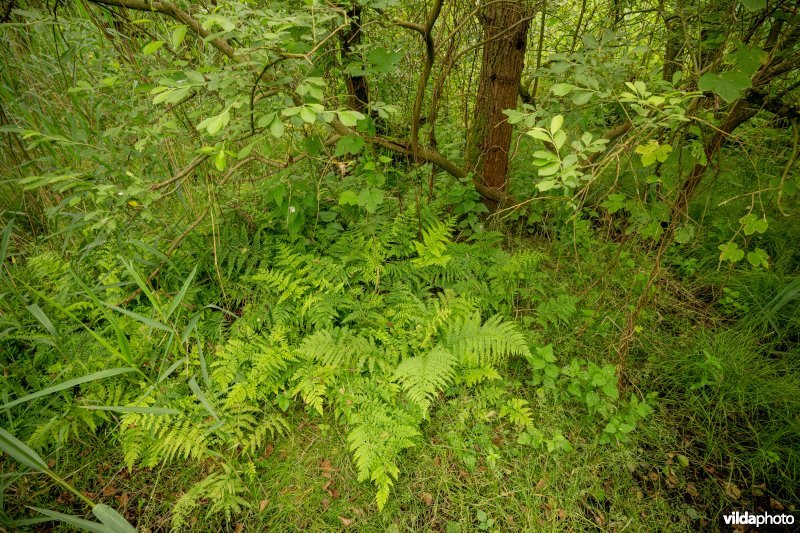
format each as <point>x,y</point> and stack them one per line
<point>357,86</point>
<point>672,48</point>
<point>498,88</point>
<point>172,10</point>
<point>741,112</point>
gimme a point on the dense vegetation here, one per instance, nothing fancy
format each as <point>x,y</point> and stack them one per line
<point>397,265</point>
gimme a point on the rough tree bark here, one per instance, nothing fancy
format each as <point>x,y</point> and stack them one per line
<point>357,86</point>
<point>505,30</point>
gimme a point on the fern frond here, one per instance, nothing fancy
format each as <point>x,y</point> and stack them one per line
<point>475,344</point>
<point>422,376</point>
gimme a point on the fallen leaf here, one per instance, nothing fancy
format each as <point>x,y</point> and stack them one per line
<point>562,514</point>
<point>346,522</point>
<point>775,504</point>
<point>123,500</point>
<point>732,490</point>
<point>427,498</point>
<point>238,527</point>
<point>109,491</point>
<point>325,503</point>
<point>334,494</point>
<point>600,519</point>
<point>268,450</point>
<point>262,505</point>
<point>692,490</point>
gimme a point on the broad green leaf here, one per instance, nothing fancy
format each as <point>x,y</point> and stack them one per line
<point>581,97</point>
<point>550,169</point>
<point>559,138</point>
<point>69,384</point>
<point>20,452</point>
<point>276,128</point>
<point>152,47</point>
<point>753,224</point>
<point>171,96</point>
<point>350,118</point>
<point>370,199</point>
<point>215,123</point>
<point>614,203</point>
<point>545,185</point>
<point>539,133</point>
<point>555,124</point>
<point>758,258</point>
<point>561,89</point>
<point>177,35</point>
<point>652,152</point>
<point>730,252</point>
<point>221,160</point>
<point>349,144</point>
<point>753,5</point>
<point>728,85</point>
<point>348,198</point>
<point>308,114</point>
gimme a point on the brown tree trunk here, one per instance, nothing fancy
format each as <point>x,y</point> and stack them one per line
<point>505,30</point>
<point>672,49</point>
<point>357,86</point>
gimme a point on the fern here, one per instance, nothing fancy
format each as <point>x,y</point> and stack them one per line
<point>422,376</point>
<point>518,412</point>
<point>376,440</point>
<point>477,345</point>
<point>222,489</point>
<point>432,250</point>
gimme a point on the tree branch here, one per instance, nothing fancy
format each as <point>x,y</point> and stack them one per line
<point>171,10</point>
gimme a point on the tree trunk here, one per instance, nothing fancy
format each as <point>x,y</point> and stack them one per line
<point>505,30</point>
<point>357,86</point>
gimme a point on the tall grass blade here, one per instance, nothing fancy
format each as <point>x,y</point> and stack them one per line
<point>202,397</point>
<point>69,384</point>
<point>37,312</point>
<point>180,296</point>
<point>112,519</point>
<point>141,318</point>
<point>74,521</point>
<point>134,409</point>
<point>20,452</point>
<point>4,245</point>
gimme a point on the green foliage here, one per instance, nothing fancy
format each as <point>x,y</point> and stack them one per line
<point>224,237</point>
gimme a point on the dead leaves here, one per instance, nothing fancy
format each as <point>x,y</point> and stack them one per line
<point>427,498</point>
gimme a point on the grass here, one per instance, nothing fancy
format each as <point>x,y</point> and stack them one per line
<point>725,412</point>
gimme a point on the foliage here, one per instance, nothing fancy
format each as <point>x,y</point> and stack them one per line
<point>245,242</point>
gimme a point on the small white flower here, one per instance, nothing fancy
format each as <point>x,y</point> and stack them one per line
<point>292,209</point>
